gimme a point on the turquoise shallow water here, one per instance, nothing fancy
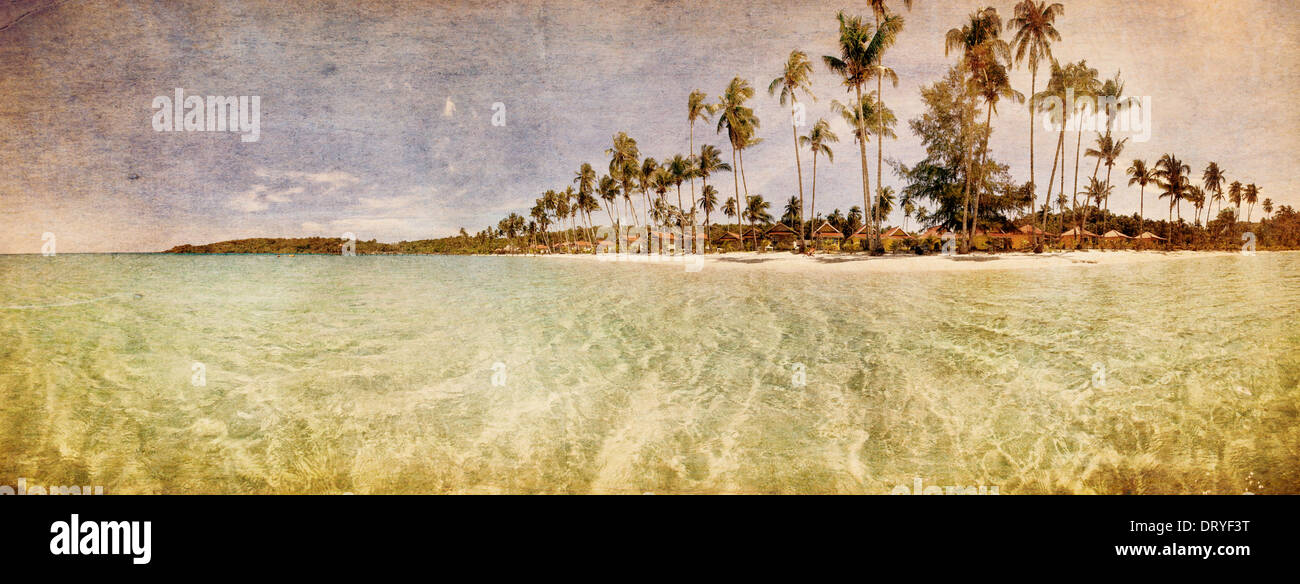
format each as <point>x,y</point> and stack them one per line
<point>486,374</point>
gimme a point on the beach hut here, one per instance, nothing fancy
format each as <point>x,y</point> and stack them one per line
<point>827,232</point>
<point>728,238</point>
<point>896,233</point>
<point>1026,235</point>
<point>1114,237</point>
<point>1069,237</point>
<point>782,236</point>
<point>540,248</point>
<point>1147,239</point>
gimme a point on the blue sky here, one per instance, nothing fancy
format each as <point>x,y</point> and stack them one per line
<point>357,134</point>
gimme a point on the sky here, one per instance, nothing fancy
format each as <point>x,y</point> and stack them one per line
<point>376,118</point>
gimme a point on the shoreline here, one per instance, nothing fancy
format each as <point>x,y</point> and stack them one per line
<point>786,262</point>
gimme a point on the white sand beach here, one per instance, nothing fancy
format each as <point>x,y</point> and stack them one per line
<point>860,263</point>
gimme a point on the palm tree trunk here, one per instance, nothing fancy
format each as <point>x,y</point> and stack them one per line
<point>1033,85</point>
<point>812,205</point>
<point>1078,146</point>
<point>988,123</point>
<point>798,165</point>
<point>1142,217</point>
<point>862,152</point>
<point>880,149</point>
<point>1056,157</point>
<point>735,182</point>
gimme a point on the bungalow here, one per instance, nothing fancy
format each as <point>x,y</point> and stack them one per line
<point>825,231</point>
<point>1072,236</point>
<point>782,236</point>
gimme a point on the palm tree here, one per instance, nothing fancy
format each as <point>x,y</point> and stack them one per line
<point>1095,192</point>
<point>1234,197</point>
<point>1212,179</point>
<point>706,164</point>
<point>1251,196</point>
<point>623,167</point>
<point>980,45</point>
<point>708,202</point>
<point>861,50</point>
<point>1142,176</point>
<point>796,76</point>
<point>991,82</point>
<point>1267,206</point>
<point>608,190</point>
<point>679,169</point>
<point>1056,92</point>
<point>1196,196</point>
<point>819,139</point>
<point>793,211</point>
<point>1106,152</point>
<point>879,9</point>
<point>1086,83</point>
<point>730,210</point>
<point>645,180</point>
<point>696,109</point>
<point>740,122</point>
<point>1035,30</point>
<point>1171,175</point>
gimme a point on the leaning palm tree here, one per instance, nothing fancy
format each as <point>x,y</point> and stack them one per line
<point>1234,197</point>
<point>1142,176</point>
<point>740,123</point>
<point>646,176</point>
<point>1172,176</point>
<point>696,109</point>
<point>857,116</point>
<point>796,77</point>
<point>861,50</point>
<point>1086,83</point>
<point>1055,96</point>
<point>1251,196</point>
<point>1035,28</point>
<point>819,139</point>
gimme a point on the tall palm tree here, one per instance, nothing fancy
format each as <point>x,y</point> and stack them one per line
<point>991,82</point>
<point>861,50</point>
<point>1142,176</point>
<point>696,109</point>
<point>740,123</point>
<point>1035,28</point>
<point>819,139</point>
<point>880,11</point>
<point>1251,196</point>
<point>1095,193</point>
<point>1056,93</point>
<point>624,167</point>
<point>1172,176</point>
<point>1234,197</point>
<point>1086,83</point>
<point>796,77</point>
<point>980,46</point>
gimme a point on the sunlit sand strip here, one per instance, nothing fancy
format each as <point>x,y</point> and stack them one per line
<point>832,263</point>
